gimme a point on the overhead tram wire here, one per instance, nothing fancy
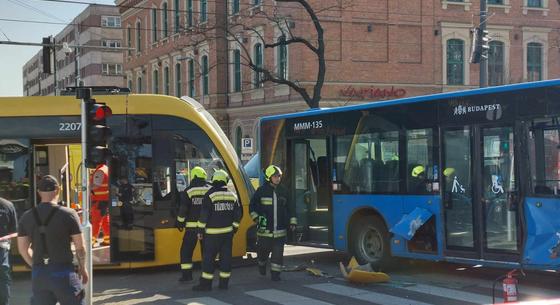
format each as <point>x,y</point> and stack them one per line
<point>171,30</point>
<point>30,7</point>
<point>342,10</point>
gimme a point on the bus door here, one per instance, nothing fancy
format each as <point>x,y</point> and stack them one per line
<point>310,175</point>
<point>480,192</point>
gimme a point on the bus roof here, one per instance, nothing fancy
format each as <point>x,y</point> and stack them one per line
<point>417,99</point>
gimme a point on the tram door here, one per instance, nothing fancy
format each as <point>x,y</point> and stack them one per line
<point>480,192</point>
<point>310,180</point>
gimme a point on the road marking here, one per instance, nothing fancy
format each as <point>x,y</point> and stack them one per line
<point>364,295</point>
<point>452,294</point>
<point>201,301</point>
<point>155,297</point>
<point>285,298</point>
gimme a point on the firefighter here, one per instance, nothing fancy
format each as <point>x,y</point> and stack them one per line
<point>219,221</point>
<point>100,203</point>
<point>273,215</point>
<point>189,211</point>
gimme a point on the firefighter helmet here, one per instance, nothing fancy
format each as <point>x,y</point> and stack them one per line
<point>417,170</point>
<point>220,175</point>
<point>448,171</point>
<point>271,171</point>
<point>198,172</point>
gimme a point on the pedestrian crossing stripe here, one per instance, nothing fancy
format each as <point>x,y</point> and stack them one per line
<point>201,301</point>
<point>452,294</point>
<point>284,298</point>
<point>364,295</point>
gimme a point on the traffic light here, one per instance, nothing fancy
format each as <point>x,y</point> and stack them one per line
<point>48,48</point>
<point>480,45</point>
<point>97,133</point>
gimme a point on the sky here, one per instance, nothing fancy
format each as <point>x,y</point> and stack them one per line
<point>13,57</point>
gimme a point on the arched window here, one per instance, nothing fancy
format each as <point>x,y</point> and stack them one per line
<point>236,70</point>
<point>455,62</point>
<point>155,82</point>
<point>164,19</point>
<point>205,75</point>
<point>282,58</point>
<point>154,26</point>
<point>130,84</point>
<point>496,63</point>
<point>189,13</point>
<point>234,7</point>
<point>238,140</point>
<point>203,10</point>
<point>534,61</point>
<point>258,62</point>
<point>192,90</point>
<point>166,80</point>
<point>139,84</point>
<point>129,40</point>
<point>178,80</point>
<point>176,15</point>
<point>138,37</point>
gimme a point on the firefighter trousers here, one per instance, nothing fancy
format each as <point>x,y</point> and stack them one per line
<point>268,245</point>
<point>187,248</point>
<point>99,219</point>
<point>214,244</point>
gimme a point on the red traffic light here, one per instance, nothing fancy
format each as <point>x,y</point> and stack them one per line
<point>100,112</point>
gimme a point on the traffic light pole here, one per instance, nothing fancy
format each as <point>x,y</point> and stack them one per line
<point>483,60</point>
<point>85,94</point>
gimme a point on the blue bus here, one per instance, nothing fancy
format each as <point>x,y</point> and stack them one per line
<point>469,177</point>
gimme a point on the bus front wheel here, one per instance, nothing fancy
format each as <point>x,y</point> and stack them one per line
<point>370,241</point>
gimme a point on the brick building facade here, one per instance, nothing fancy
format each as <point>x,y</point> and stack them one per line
<point>375,50</point>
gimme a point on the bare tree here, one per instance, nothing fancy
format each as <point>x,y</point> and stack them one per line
<point>234,32</point>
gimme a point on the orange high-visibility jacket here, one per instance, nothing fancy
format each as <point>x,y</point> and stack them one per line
<point>100,183</point>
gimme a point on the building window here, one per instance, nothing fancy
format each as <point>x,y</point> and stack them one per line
<point>534,3</point>
<point>129,40</point>
<point>130,84</point>
<point>455,61</point>
<point>111,21</point>
<point>496,63</point>
<point>258,62</point>
<point>189,13</point>
<point>138,37</point>
<point>236,70</point>
<point>238,140</point>
<point>154,26</point>
<point>256,2</point>
<point>113,43</point>
<point>176,15</point>
<point>155,82</point>
<point>164,20</point>
<point>139,85</point>
<point>234,7</point>
<point>178,80</point>
<point>192,91</point>
<point>496,2</point>
<point>111,69</point>
<point>203,11</point>
<point>205,75</point>
<point>166,80</point>
<point>534,61</point>
<point>282,63</point>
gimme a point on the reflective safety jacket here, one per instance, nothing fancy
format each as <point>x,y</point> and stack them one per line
<point>272,204</point>
<point>191,202</point>
<point>221,211</point>
<point>100,183</point>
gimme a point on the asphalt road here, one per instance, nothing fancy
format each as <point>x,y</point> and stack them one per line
<point>412,283</point>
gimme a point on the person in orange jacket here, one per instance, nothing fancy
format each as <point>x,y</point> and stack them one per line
<point>100,203</point>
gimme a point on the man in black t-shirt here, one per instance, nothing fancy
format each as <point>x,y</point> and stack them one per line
<point>51,229</point>
<point>8,230</point>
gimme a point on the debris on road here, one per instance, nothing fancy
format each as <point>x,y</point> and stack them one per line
<point>356,273</point>
<point>318,272</point>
